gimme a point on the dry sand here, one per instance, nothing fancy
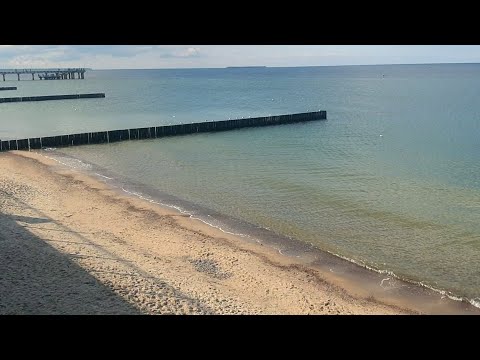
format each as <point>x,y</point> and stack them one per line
<point>71,245</point>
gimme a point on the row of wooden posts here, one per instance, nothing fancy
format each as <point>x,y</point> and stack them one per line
<point>111,136</point>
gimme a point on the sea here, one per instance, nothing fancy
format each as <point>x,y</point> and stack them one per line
<point>390,181</point>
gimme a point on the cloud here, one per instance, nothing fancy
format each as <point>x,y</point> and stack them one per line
<point>175,51</point>
<point>113,50</point>
<point>125,56</point>
<point>190,52</point>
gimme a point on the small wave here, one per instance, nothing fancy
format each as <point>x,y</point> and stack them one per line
<point>475,302</point>
<point>386,279</point>
<point>69,162</point>
<point>106,177</point>
<point>191,215</point>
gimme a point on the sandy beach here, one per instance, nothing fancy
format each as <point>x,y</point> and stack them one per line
<point>69,244</point>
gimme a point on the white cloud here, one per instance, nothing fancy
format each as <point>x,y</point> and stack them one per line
<point>191,51</point>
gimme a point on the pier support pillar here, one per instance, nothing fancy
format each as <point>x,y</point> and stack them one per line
<point>18,75</point>
<point>3,77</point>
<point>33,76</point>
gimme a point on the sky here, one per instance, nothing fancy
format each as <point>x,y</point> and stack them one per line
<point>213,56</point>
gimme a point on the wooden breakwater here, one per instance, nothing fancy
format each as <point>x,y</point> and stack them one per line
<point>111,136</point>
<point>51,97</point>
<point>8,88</point>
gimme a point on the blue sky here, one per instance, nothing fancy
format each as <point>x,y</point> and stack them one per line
<point>201,56</point>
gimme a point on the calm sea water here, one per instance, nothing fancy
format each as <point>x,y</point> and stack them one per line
<point>391,179</point>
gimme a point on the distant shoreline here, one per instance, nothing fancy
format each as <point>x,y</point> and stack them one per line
<point>245,67</point>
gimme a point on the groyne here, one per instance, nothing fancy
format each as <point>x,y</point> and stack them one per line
<point>154,132</point>
<point>51,97</point>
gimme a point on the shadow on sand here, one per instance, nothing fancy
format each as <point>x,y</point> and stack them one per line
<point>35,278</point>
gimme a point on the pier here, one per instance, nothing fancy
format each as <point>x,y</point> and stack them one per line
<point>46,74</point>
<point>51,97</point>
<point>155,132</point>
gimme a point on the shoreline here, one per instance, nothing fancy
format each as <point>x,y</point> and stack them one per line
<point>177,264</point>
<point>365,280</point>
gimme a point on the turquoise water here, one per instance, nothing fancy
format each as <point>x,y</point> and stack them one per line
<point>391,179</point>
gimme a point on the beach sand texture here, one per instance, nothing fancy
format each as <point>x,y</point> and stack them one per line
<point>69,244</point>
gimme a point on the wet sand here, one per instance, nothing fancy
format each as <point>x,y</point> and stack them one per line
<point>69,244</point>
